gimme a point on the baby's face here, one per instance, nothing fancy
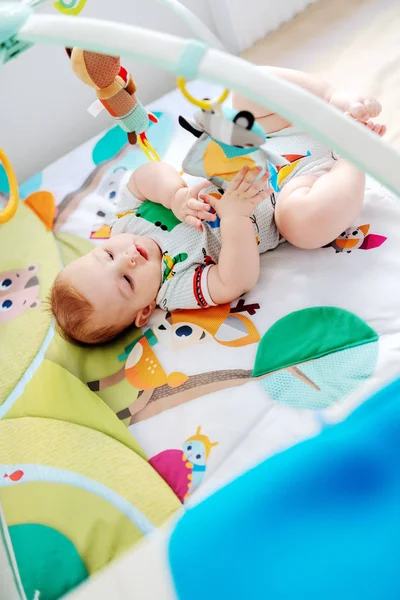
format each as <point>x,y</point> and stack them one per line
<point>120,278</point>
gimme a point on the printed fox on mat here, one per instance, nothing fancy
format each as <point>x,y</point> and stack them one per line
<point>150,360</point>
<point>161,366</point>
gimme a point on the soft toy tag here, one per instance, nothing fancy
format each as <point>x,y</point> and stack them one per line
<point>95,108</point>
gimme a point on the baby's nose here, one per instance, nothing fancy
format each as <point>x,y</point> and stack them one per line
<point>132,255</point>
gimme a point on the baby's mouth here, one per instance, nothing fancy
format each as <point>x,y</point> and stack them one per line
<point>142,252</point>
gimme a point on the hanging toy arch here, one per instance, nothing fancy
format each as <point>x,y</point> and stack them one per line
<point>11,208</point>
<point>20,27</point>
<point>203,104</point>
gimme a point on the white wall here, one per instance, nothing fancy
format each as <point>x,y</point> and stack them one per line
<point>43,106</point>
<point>241,23</point>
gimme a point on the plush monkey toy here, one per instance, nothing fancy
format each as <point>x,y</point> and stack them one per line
<point>115,90</point>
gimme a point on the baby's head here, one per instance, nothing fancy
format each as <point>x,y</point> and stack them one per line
<point>99,295</point>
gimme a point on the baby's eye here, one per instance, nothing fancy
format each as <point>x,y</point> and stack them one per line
<point>110,254</point>
<point>128,279</point>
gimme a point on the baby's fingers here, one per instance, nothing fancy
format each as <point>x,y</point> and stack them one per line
<point>203,215</point>
<point>200,210</point>
<point>249,179</point>
<point>237,180</point>
<point>260,184</point>
<point>194,222</point>
<point>198,205</point>
<point>209,201</point>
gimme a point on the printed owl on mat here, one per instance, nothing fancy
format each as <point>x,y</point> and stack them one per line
<point>356,238</point>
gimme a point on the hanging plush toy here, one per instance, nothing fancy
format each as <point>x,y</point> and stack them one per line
<point>116,92</point>
<point>226,141</point>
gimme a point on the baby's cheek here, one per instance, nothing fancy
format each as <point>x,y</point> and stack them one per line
<point>156,280</point>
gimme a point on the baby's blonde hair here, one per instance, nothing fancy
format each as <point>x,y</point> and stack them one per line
<point>73,313</point>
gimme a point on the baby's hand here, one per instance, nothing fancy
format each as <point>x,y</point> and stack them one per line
<point>242,195</point>
<point>189,209</point>
<point>364,108</point>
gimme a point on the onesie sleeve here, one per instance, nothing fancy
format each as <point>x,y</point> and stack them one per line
<point>186,289</point>
<point>126,201</point>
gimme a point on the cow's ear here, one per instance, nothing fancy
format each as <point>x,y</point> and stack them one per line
<point>189,127</point>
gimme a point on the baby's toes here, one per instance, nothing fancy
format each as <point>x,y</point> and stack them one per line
<point>373,107</point>
<point>359,112</point>
<point>377,128</point>
<point>380,129</point>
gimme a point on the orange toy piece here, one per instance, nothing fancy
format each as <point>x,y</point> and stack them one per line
<point>116,90</point>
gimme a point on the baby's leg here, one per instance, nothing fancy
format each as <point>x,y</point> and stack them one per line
<point>311,212</point>
<point>268,119</point>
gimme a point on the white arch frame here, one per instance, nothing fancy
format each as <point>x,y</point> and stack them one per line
<point>348,138</point>
<point>195,24</point>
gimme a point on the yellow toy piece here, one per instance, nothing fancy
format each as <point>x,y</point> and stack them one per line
<point>70,7</point>
<point>148,149</point>
<point>203,104</point>
<point>9,211</point>
<point>103,233</point>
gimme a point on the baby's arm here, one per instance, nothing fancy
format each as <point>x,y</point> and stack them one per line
<point>156,181</point>
<point>238,267</point>
<point>162,184</point>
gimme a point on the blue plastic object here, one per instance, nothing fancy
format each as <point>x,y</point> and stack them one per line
<point>321,520</point>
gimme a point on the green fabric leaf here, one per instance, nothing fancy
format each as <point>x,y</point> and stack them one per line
<point>309,334</point>
<point>54,393</point>
<point>47,560</point>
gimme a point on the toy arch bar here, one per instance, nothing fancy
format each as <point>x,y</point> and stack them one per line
<point>350,139</point>
<point>11,208</point>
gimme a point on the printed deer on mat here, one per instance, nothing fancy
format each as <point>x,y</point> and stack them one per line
<point>160,390</point>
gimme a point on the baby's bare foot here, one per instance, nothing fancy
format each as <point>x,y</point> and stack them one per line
<point>376,128</point>
<point>364,108</point>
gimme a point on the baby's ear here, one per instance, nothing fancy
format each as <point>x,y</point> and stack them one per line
<point>144,314</point>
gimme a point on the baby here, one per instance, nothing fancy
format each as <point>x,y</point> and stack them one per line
<point>211,257</point>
